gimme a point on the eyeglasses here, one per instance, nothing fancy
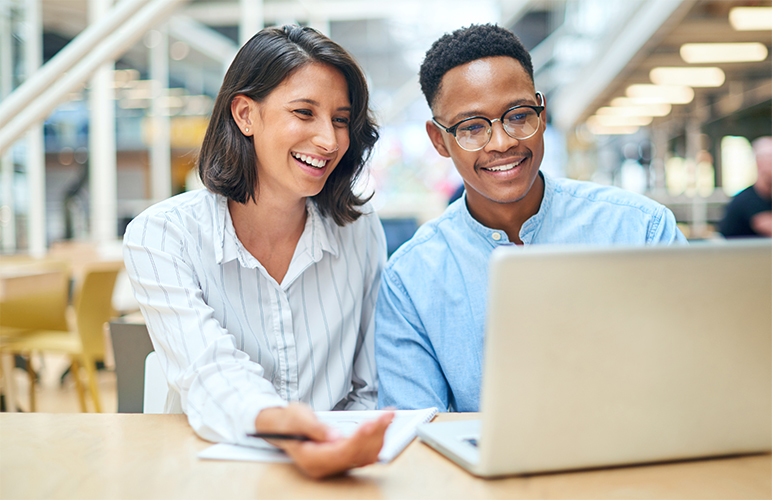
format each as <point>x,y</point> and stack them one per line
<point>519,122</point>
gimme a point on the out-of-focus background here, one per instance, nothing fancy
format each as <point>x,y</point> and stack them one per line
<point>103,105</point>
<point>119,140</point>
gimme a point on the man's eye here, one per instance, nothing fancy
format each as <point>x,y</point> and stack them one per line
<point>472,128</point>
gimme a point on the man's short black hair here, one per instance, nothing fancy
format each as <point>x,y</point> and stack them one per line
<point>465,45</point>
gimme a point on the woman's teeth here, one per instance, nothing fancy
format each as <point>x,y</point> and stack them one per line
<point>314,162</point>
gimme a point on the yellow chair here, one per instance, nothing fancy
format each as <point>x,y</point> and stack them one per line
<point>85,342</point>
<point>35,295</point>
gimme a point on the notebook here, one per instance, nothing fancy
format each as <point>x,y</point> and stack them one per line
<point>400,433</point>
<point>614,356</point>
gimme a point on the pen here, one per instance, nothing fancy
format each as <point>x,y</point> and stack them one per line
<point>270,435</point>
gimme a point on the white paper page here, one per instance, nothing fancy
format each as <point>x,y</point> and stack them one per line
<point>398,435</point>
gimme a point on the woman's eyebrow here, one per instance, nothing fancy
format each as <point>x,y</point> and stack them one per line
<point>316,103</point>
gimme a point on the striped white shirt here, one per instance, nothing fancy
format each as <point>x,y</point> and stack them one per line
<point>231,340</point>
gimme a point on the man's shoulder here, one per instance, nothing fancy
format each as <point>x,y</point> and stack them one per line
<point>591,193</point>
<point>429,241</point>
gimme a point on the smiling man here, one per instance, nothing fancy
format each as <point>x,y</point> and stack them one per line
<point>489,119</point>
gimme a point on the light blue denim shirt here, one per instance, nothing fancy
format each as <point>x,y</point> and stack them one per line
<point>430,313</point>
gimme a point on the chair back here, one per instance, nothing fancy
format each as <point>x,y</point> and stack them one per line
<point>41,299</point>
<point>94,308</point>
<point>156,387</point>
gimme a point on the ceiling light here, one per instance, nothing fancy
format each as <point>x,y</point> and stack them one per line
<point>723,52</point>
<point>691,77</point>
<point>618,121</point>
<point>630,107</point>
<point>601,130</point>
<point>670,94</point>
<point>751,18</point>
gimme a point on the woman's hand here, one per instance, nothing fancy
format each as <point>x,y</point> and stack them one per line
<point>327,453</point>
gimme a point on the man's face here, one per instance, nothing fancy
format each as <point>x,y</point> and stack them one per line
<point>505,169</point>
<point>763,152</point>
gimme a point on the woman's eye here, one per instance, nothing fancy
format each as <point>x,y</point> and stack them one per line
<point>304,112</point>
<point>342,122</point>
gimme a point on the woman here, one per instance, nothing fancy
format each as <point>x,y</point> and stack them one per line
<point>260,289</point>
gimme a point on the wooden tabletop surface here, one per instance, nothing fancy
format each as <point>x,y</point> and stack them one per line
<point>154,456</point>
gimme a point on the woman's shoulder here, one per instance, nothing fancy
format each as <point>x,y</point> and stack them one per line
<point>186,210</point>
<point>367,227</point>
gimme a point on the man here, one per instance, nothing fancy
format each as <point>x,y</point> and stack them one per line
<point>749,214</point>
<point>489,119</point>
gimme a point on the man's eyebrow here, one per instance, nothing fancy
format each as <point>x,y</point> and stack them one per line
<point>473,113</point>
<point>316,103</point>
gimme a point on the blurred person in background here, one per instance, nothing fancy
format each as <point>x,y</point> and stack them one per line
<point>749,213</point>
<point>489,119</point>
<point>259,291</point>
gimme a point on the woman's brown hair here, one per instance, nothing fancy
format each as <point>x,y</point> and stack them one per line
<point>227,163</point>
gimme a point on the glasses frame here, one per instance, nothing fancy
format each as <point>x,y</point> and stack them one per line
<point>452,129</point>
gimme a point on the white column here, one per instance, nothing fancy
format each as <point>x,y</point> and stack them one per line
<point>7,203</point>
<point>101,137</point>
<point>251,19</point>
<point>160,147</point>
<point>36,159</point>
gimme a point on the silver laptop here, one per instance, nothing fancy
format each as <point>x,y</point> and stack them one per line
<point>603,357</point>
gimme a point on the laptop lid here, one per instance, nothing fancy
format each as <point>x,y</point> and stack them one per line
<point>611,356</point>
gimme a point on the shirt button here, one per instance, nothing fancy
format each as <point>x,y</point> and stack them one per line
<point>496,236</point>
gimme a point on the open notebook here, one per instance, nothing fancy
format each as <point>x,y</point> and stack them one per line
<point>399,434</point>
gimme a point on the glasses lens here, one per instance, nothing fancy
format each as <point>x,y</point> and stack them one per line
<point>473,134</point>
<point>521,123</point>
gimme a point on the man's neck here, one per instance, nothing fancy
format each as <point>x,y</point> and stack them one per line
<point>508,217</point>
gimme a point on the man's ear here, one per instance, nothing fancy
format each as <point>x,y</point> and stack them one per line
<point>242,110</point>
<point>543,120</point>
<point>435,135</point>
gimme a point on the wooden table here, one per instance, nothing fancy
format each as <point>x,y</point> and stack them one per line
<point>16,282</point>
<point>154,456</point>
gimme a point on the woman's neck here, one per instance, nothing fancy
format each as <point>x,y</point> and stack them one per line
<point>270,230</point>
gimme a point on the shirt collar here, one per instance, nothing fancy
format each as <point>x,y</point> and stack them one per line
<point>527,232</point>
<point>317,236</point>
<point>530,227</point>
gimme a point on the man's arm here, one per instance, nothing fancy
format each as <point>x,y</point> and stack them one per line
<point>409,375</point>
<point>664,229</point>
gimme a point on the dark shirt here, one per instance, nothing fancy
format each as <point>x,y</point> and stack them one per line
<point>737,218</point>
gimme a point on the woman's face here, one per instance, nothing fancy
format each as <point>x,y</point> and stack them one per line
<point>301,131</point>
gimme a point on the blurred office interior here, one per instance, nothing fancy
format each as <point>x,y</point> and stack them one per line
<point>104,104</point>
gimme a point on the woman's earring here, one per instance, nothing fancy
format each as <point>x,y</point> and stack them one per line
<point>246,130</point>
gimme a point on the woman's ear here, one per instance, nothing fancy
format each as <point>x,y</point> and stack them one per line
<point>242,110</point>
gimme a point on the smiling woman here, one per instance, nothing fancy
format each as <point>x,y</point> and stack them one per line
<point>259,291</point>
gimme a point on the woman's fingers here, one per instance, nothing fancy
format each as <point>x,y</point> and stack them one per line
<point>295,418</point>
<point>320,459</point>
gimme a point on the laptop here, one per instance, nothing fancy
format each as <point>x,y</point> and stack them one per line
<point>599,357</point>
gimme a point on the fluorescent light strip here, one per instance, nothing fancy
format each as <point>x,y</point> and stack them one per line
<point>696,53</point>
<point>688,76</point>
<point>618,121</point>
<point>666,94</point>
<point>635,109</point>
<point>751,18</point>
<point>601,130</point>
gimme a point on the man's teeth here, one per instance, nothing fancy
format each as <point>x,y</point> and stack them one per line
<point>503,168</point>
<point>314,162</point>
